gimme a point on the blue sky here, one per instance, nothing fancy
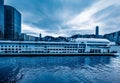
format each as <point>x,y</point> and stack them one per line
<point>67,17</point>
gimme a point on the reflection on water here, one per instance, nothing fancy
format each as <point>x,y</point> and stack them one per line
<point>77,69</point>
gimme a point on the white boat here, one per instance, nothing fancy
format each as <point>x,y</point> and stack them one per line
<point>81,46</point>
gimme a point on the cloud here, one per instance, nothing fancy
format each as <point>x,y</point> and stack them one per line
<point>89,12</point>
<point>32,30</point>
<point>86,18</point>
<point>67,17</point>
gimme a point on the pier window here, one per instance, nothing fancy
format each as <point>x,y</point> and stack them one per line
<point>91,51</point>
<point>95,51</point>
<point>81,50</point>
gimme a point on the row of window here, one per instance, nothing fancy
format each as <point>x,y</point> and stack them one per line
<point>35,49</point>
<point>59,46</point>
<point>9,49</point>
<point>47,52</point>
<point>55,44</point>
<point>66,46</point>
<point>13,46</point>
<point>95,51</point>
<point>97,45</point>
<point>61,49</point>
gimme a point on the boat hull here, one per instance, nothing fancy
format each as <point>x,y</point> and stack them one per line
<point>59,54</point>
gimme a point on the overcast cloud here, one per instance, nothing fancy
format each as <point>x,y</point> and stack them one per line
<point>68,17</point>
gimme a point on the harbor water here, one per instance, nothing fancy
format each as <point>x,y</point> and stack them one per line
<point>58,69</point>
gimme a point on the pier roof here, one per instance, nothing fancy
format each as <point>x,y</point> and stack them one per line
<point>91,40</point>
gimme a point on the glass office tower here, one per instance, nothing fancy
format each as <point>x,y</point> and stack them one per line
<point>1,19</point>
<point>12,23</point>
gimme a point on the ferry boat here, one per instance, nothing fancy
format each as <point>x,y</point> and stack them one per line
<point>80,46</point>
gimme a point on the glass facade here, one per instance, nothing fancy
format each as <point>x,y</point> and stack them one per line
<point>12,23</point>
<point>1,19</point>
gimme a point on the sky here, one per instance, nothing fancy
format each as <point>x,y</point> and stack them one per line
<point>67,17</point>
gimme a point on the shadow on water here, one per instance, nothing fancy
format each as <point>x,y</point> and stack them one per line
<point>12,67</point>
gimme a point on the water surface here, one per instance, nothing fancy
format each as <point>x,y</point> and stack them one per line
<point>69,69</point>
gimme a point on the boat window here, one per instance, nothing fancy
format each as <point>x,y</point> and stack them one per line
<point>82,42</point>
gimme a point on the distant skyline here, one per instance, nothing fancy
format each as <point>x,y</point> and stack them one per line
<point>67,17</point>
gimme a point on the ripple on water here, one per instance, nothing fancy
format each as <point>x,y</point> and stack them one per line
<point>62,69</point>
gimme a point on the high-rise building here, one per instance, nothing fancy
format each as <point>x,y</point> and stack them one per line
<point>40,36</point>
<point>12,23</point>
<point>97,31</point>
<point>1,19</point>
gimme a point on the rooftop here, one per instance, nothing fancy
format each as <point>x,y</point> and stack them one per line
<point>91,40</point>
